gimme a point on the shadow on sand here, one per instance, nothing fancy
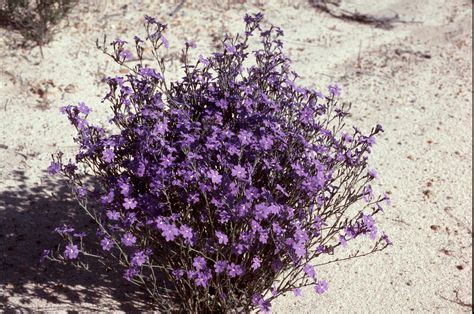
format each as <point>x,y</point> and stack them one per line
<point>27,219</point>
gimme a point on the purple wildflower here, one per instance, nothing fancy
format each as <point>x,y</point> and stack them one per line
<point>334,90</point>
<point>239,172</point>
<point>164,41</point>
<point>372,173</point>
<point>256,263</point>
<point>309,271</point>
<point>106,244</point>
<point>186,232</point>
<point>83,108</point>
<point>108,155</point>
<point>63,230</point>
<point>221,237</point>
<point>215,177</point>
<point>169,232</point>
<point>71,251</point>
<point>177,273</point>
<point>129,239</point>
<point>202,278</point>
<point>220,267</point>
<point>342,241</point>
<point>321,287</point>
<point>199,263</point>
<point>129,203</point>
<point>130,273</point>
<point>230,48</point>
<point>387,240</point>
<point>139,258</point>
<point>203,60</point>
<point>234,270</point>
<point>113,215</point>
<point>125,54</point>
<point>54,168</point>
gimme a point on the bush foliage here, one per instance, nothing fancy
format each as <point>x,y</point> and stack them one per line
<point>220,191</point>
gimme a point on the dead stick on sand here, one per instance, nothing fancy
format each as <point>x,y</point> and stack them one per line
<point>458,300</point>
<point>178,7</point>
<point>332,7</point>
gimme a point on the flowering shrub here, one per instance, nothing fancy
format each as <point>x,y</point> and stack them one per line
<point>220,191</point>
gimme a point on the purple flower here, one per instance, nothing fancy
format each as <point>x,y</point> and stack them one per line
<point>151,73</point>
<point>169,232</point>
<point>108,155</point>
<point>125,188</point>
<point>387,199</point>
<point>297,292</point>
<point>220,267</point>
<point>186,232</point>
<point>202,278</point>
<point>130,273</point>
<point>309,271</point>
<point>215,177</point>
<point>256,263</point>
<point>107,198</point>
<point>139,258</point>
<point>234,270</point>
<point>177,273</point>
<point>321,287</point>
<point>239,172</point>
<point>221,238</point>
<point>81,192</point>
<point>266,142</point>
<point>161,128</point>
<point>368,193</point>
<point>54,168</point>
<point>299,249</point>
<point>342,241</point>
<point>203,60</point>
<point>245,137</point>
<point>164,41</point>
<point>64,230</point>
<point>128,239</point>
<point>222,103</point>
<point>167,161</point>
<point>71,251</point>
<point>387,240</point>
<point>79,235</point>
<point>334,90</point>
<point>113,215</point>
<point>82,107</point>
<point>199,263</point>
<point>230,48</point>
<point>372,173</point>
<point>129,203</point>
<point>125,54</point>
<point>368,220</point>
<point>106,244</point>
<point>263,305</point>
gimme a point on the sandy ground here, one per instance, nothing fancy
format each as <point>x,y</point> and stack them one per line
<point>415,79</point>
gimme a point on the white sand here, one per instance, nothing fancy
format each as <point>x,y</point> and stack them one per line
<point>424,158</point>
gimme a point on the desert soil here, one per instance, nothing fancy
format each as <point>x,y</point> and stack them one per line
<point>415,79</point>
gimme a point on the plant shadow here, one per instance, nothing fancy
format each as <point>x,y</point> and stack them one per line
<point>28,216</point>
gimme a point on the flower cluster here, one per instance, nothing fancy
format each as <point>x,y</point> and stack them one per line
<point>219,191</point>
